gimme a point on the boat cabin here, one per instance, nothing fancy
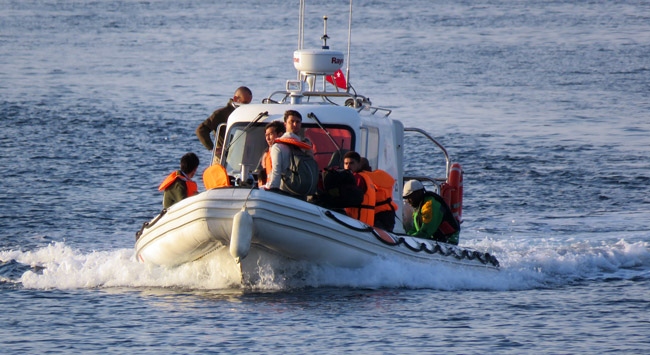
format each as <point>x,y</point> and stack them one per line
<point>333,130</point>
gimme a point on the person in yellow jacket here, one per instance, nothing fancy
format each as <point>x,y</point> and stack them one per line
<point>179,185</point>
<point>432,218</point>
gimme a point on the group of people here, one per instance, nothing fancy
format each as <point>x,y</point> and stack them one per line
<point>432,218</point>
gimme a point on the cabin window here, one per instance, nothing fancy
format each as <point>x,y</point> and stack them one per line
<point>247,147</point>
<point>329,152</point>
<point>244,147</point>
<point>369,145</point>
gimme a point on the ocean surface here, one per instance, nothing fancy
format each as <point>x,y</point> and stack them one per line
<point>546,104</point>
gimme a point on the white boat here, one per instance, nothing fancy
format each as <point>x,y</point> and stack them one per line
<point>262,228</point>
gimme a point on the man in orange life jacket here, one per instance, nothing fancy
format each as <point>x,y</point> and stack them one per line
<point>179,185</point>
<point>366,211</point>
<point>281,152</point>
<point>432,218</point>
<point>272,131</point>
<point>385,207</point>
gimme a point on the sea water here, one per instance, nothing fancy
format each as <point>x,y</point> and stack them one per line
<point>545,104</point>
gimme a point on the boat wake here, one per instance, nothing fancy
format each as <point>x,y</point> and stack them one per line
<point>546,264</point>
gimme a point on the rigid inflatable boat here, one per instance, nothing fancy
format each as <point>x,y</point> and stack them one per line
<point>257,225</point>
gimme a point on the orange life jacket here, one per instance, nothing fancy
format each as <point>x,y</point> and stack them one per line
<point>267,164</point>
<point>366,212</point>
<point>192,188</point>
<point>294,142</point>
<point>215,176</point>
<point>384,196</point>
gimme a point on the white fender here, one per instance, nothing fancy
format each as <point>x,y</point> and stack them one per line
<point>242,233</point>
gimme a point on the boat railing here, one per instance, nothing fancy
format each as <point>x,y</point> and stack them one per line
<point>287,94</point>
<point>437,181</point>
<point>356,101</point>
<point>373,110</point>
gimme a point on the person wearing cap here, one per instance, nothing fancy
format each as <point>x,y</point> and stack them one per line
<point>243,95</point>
<point>432,218</point>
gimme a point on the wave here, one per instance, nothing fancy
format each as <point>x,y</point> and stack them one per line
<point>525,264</point>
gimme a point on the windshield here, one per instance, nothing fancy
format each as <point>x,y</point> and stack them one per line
<point>247,147</point>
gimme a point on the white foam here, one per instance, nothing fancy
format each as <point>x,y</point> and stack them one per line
<point>525,264</point>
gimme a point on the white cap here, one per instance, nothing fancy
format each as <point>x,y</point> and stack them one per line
<point>411,186</point>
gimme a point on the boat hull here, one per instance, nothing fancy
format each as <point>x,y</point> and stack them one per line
<point>287,228</point>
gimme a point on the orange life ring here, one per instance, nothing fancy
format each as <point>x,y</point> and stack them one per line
<point>452,191</point>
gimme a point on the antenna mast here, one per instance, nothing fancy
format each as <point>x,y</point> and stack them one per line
<point>347,68</point>
<point>301,27</point>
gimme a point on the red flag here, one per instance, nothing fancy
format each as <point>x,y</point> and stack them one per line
<point>337,79</point>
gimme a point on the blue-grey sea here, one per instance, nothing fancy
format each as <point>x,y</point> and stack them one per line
<point>546,104</point>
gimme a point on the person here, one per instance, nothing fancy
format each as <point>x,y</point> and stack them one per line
<point>281,153</point>
<point>366,211</point>
<point>385,207</point>
<point>432,218</point>
<point>272,131</point>
<point>179,185</point>
<point>243,95</point>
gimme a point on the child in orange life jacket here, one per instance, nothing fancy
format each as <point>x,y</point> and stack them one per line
<point>366,211</point>
<point>179,185</point>
<point>272,131</point>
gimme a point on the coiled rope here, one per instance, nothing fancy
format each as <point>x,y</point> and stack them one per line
<point>457,253</point>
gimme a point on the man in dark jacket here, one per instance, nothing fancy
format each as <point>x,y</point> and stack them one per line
<point>243,95</point>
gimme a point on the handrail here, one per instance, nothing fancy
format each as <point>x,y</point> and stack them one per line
<point>325,94</point>
<point>374,110</point>
<point>314,93</point>
<point>444,151</point>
